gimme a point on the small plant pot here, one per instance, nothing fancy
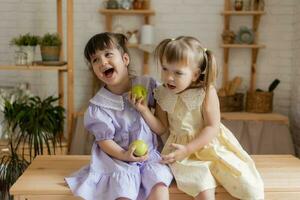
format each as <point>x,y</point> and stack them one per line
<point>50,53</point>
<point>20,58</point>
<point>30,53</point>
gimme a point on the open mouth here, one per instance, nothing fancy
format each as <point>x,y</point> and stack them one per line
<point>108,72</point>
<point>171,86</point>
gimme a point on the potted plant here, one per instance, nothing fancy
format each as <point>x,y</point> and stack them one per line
<point>26,44</point>
<point>31,125</point>
<point>50,45</point>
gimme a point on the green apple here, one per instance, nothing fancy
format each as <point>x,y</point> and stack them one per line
<point>139,91</point>
<point>140,146</point>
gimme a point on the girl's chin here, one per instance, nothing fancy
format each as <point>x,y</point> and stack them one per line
<point>175,90</point>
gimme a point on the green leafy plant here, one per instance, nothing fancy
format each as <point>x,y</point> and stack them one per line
<point>33,124</point>
<point>25,40</point>
<point>12,166</point>
<point>50,39</point>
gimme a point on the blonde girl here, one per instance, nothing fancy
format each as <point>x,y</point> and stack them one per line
<point>201,152</point>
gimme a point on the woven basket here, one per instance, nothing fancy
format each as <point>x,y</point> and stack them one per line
<point>259,102</point>
<point>232,103</point>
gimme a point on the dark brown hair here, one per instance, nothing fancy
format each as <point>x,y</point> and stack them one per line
<point>104,41</point>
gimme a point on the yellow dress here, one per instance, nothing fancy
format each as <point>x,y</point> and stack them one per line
<point>223,161</point>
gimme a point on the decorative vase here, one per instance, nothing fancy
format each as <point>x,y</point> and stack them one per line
<point>245,35</point>
<point>238,5</point>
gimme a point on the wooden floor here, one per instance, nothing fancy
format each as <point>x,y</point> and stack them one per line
<point>44,179</point>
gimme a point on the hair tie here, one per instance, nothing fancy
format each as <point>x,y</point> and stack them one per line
<point>205,49</point>
<point>172,39</point>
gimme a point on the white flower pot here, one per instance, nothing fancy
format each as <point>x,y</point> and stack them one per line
<point>30,52</point>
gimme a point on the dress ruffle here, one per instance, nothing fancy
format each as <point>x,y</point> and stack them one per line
<point>129,180</point>
<point>90,185</point>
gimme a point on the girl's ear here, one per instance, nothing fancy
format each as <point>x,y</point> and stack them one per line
<point>126,59</point>
<point>196,75</point>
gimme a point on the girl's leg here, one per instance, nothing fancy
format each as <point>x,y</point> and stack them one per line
<point>159,192</point>
<point>206,195</point>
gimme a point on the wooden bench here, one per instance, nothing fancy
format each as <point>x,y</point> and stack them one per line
<point>44,179</point>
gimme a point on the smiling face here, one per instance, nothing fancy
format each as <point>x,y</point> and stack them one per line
<point>110,66</point>
<point>177,77</point>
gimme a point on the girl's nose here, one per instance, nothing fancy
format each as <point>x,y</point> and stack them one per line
<point>104,61</point>
<point>170,77</point>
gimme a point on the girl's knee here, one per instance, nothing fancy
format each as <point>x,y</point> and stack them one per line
<point>159,192</point>
<point>206,195</point>
<point>160,186</point>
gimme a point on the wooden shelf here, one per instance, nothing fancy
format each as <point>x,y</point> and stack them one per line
<point>34,67</point>
<point>147,48</point>
<point>64,71</point>
<point>252,46</point>
<point>145,13</point>
<point>126,12</point>
<point>246,116</point>
<point>233,12</point>
<point>133,45</point>
<point>255,14</point>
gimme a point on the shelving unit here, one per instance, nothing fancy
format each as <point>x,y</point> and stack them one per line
<point>61,70</point>
<point>262,140</point>
<point>146,13</point>
<point>227,14</point>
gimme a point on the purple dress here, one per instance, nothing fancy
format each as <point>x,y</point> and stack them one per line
<point>111,116</point>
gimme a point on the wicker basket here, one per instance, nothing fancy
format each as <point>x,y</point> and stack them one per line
<point>232,103</point>
<point>259,102</point>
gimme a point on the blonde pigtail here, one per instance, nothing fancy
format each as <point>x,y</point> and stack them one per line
<point>211,69</point>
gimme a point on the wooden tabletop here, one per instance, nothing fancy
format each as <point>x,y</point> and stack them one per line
<point>45,175</point>
<point>246,116</point>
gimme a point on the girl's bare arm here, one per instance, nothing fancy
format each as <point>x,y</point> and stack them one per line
<point>157,121</point>
<point>153,122</point>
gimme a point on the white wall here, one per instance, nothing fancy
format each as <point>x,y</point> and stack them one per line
<point>199,18</point>
<point>295,91</point>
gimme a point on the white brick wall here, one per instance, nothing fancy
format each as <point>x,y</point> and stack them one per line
<point>199,18</point>
<point>295,90</point>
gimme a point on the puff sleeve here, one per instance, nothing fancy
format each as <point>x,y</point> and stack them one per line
<point>99,123</point>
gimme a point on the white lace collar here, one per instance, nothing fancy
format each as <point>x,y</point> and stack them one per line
<point>106,99</point>
<point>192,98</point>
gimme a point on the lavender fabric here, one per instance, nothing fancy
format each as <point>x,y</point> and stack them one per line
<point>111,116</point>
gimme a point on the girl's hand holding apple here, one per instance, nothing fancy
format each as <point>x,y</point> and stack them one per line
<point>138,98</point>
<point>137,152</point>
